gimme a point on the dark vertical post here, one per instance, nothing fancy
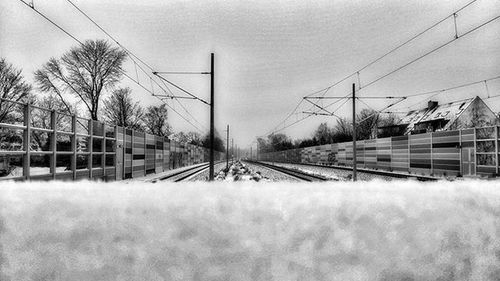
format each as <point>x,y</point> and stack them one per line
<point>227,148</point>
<point>212,138</point>
<point>53,144</point>
<point>103,149</point>
<point>496,148</point>
<point>232,150</point>
<point>27,141</point>
<point>354,162</point>
<point>145,152</point>
<point>115,161</point>
<point>74,141</point>
<point>91,147</point>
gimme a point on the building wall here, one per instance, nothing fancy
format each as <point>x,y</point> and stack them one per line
<point>478,114</point>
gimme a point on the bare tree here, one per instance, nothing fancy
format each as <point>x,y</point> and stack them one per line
<point>263,145</point>
<point>42,119</point>
<point>195,138</point>
<point>120,109</point>
<point>189,137</point>
<point>279,142</point>
<point>12,87</point>
<point>343,130</point>
<point>84,71</point>
<point>324,134</point>
<point>366,124</point>
<point>388,119</point>
<point>156,121</point>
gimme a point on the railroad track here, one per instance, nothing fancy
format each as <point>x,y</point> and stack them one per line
<point>291,172</point>
<point>185,173</point>
<point>374,172</point>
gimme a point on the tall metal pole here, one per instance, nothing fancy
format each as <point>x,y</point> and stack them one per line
<point>354,162</point>
<point>212,134</point>
<point>232,150</point>
<point>227,148</point>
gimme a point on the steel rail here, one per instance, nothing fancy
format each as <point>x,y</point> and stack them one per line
<point>291,172</point>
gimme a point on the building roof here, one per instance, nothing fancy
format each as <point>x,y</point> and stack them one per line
<point>447,112</point>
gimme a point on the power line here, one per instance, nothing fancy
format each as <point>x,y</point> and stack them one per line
<point>454,87</point>
<point>357,72</point>
<point>430,52</point>
<point>132,58</point>
<point>149,91</point>
<point>380,111</point>
<point>440,91</point>
<point>416,36</point>
<point>122,71</point>
<point>307,116</point>
<point>427,53</point>
<point>49,20</point>
<point>181,89</point>
<point>185,109</point>
<point>109,35</point>
<point>129,53</point>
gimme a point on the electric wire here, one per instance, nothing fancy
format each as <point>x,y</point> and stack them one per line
<point>357,72</point>
<point>122,71</point>
<point>135,56</point>
<point>428,53</point>
<point>440,91</point>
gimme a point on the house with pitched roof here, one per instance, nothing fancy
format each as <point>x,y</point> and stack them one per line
<point>456,115</point>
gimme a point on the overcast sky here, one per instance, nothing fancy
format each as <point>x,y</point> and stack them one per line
<point>269,54</point>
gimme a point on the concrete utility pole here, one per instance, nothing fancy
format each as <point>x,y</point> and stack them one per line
<point>227,148</point>
<point>354,162</point>
<point>212,129</point>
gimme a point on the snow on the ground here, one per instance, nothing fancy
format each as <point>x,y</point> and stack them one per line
<point>18,171</point>
<point>250,231</point>
<point>332,173</point>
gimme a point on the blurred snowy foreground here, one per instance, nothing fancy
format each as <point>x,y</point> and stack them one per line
<point>250,231</point>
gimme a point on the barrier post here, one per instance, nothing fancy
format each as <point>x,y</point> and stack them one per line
<point>73,146</point>
<point>53,139</point>
<point>496,149</point>
<point>103,149</point>
<point>27,141</point>
<point>91,148</point>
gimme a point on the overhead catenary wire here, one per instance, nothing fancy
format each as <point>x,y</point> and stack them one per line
<point>454,87</point>
<point>416,36</point>
<point>132,56</point>
<point>122,71</point>
<point>309,115</point>
<point>379,111</point>
<point>129,53</point>
<point>357,72</point>
<point>173,109</point>
<point>109,35</point>
<point>427,53</point>
<point>440,91</point>
<point>275,130</point>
